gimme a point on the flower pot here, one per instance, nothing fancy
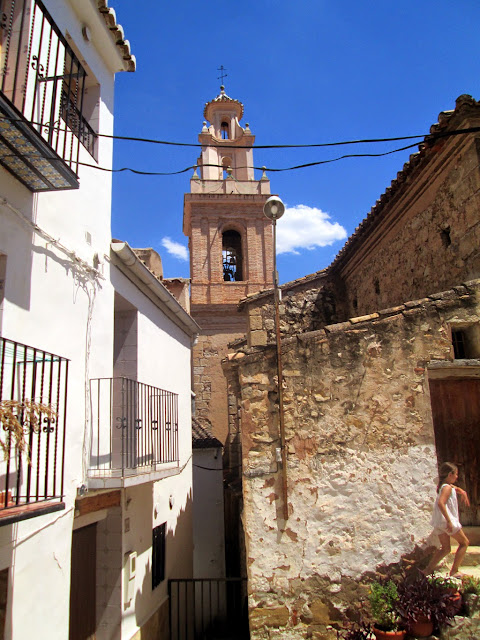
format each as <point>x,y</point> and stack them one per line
<point>456,601</point>
<point>388,635</point>
<point>472,604</point>
<point>422,628</point>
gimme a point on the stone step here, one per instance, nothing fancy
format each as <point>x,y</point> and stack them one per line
<point>468,571</point>
<point>472,557</point>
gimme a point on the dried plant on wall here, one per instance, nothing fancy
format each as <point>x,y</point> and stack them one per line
<point>17,418</point>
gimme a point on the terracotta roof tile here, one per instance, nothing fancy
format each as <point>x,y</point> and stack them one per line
<point>202,437</point>
<point>427,150</point>
<point>117,34</point>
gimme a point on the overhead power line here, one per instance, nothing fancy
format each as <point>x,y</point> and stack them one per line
<point>191,167</point>
<point>440,134</point>
<point>429,139</point>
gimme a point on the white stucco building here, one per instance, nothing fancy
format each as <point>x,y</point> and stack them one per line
<point>96,486</point>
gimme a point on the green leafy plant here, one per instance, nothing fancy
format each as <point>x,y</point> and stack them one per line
<point>383,596</point>
<point>447,583</point>
<point>470,584</point>
<point>361,631</point>
<point>423,599</point>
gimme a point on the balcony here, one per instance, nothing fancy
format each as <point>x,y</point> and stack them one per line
<point>134,433</point>
<point>33,395</point>
<point>42,88</point>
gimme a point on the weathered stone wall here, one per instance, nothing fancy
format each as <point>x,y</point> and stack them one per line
<point>209,382</point>
<point>361,460</point>
<point>304,307</point>
<point>428,239</point>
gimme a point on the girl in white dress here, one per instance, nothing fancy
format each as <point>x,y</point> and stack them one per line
<point>445,521</point>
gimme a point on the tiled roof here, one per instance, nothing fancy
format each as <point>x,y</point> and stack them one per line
<point>428,149</point>
<point>117,34</point>
<point>265,293</point>
<point>202,437</point>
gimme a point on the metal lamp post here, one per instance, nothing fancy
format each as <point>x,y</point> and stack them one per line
<point>273,210</point>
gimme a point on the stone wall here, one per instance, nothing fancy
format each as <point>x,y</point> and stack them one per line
<point>361,468</point>
<point>426,237</point>
<point>306,305</point>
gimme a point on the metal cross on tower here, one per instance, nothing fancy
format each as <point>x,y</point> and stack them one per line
<point>222,74</point>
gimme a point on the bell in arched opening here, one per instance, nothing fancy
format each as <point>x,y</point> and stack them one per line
<point>232,256</point>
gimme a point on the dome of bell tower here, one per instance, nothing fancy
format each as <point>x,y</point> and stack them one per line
<point>222,102</point>
<point>227,147</point>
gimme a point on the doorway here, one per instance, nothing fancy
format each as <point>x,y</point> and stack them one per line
<point>83,584</point>
<point>456,421</point>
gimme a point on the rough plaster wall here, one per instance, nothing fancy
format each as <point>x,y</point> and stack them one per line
<point>209,382</point>
<point>435,247</point>
<point>361,462</point>
<point>302,308</point>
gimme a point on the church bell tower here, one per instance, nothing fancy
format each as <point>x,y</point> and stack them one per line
<point>231,256</point>
<point>231,247</point>
<point>230,240</point>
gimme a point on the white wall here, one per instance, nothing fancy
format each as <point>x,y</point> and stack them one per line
<point>147,506</point>
<point>163,352</point>
<point>50,304</point>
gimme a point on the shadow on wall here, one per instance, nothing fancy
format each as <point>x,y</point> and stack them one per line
<point>17,259</point>
<point>8,535</point>
<point>178,563</point>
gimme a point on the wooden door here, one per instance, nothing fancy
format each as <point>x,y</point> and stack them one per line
<point>456,421</point>
<point>83,584</point>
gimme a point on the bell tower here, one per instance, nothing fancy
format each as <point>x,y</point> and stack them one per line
<point>231,247</point>
<point>230,240</point>
<point>231,256</point>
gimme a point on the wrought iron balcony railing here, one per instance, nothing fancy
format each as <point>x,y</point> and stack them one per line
<point>134,428</point>
<point>42,89</point>
<point>33,397</point>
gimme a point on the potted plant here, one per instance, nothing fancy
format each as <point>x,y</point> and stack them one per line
<point>361,631</point>
<point>471,594</point>
<point>424,606</point>
<point>383,596</point>
<point>451,586</point>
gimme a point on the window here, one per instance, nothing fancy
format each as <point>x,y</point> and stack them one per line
<point>232,256</point>
<point>466,341</point>
<point>79,104</point>
<point>224,130</point>
<point>459,343</point>
<point>158,554</point>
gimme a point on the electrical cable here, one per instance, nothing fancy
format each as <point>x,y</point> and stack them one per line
<point>263,168</point>
<point>237,466</point>
<point>191,167</point>
<point>430,139</point>
<point>267,146</point>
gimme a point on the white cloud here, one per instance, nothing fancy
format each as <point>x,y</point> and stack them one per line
<point>303,227</point>
<point>175,248</point>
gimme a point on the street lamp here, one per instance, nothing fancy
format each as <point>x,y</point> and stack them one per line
<point>273,210</point>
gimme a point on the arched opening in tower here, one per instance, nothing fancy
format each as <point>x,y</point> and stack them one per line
<point>224,130</point>
<point>232,256</point>
<point>226,164</point>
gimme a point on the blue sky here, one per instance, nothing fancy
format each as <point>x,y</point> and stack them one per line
<point>308,71</point>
